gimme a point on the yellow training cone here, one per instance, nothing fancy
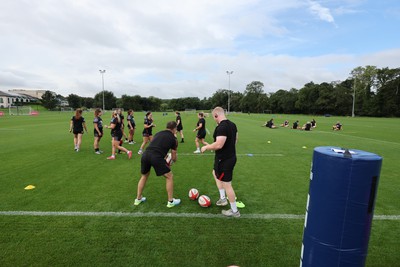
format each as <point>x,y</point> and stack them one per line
<point>29,187</point>
<point>304,147</point>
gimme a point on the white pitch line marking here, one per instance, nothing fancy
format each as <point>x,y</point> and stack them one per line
<point>238,155</point>
<point>168,214</point>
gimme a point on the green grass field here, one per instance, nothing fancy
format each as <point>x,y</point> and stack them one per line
<point>38,150</point>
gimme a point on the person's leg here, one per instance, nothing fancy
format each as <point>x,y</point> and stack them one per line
<point>79,141</point>
<point>130,135</point>
<point>141,185</point>
<point>230,193</point>
<point>145,140</point>
<point>169,183</point>
<point>96,143</point>
<point>197,145</point>
<point>219,186</point>
<point>75,140</point>
<point>114,142</point>
<point>203,141</point>
<point>122,148</point>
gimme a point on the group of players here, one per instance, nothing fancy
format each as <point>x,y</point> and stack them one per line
<point>224,145</point>
<point>306,127</point>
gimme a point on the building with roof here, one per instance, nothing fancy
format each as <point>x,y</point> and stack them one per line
<point>33,93</point>
<point>11,99</point>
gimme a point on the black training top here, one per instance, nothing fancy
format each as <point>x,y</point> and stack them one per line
<point>149,130</point>
<point>99,122</point>
<point>132,120</point>
<point>228,129</point>
<point>77,124</point>
<point>162,142</point>
<point>117,129</point>
<point>202,121</point>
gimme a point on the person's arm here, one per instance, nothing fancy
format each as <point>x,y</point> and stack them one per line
<point>70,126</point>
<point>218,144</point>
<point>198,127</point>
<point>84,126</point>
<point>111,126</point>
<point>97,129</point>
<point>174,155</point>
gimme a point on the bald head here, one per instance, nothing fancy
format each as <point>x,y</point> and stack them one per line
<point>218,114</point>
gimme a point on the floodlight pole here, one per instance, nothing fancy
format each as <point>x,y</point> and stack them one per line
<point>102,79</point>
<point>229,89</point>
<point>354,98</point>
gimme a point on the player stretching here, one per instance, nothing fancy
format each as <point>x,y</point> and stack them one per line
<point>155,156</point>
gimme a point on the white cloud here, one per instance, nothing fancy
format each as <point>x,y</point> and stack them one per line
<point>168,49</point>
<point>322,12</point>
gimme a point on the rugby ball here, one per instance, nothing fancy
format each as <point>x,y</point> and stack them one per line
<point>168,159</point>
<point>193,194</point>
<point>204,201</point>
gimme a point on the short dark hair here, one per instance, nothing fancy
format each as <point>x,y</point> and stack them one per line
<point>171,125</point>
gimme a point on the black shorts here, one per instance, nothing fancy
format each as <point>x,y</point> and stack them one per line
<point>201,134</point>
<point>179,128</point>
<point>223,168</point>
<point>117,136</point>
<point>159,164</point>
<point>96,134</point>
<point>75,131</point>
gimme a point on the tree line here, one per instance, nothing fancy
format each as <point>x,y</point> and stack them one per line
<point>368,91</point>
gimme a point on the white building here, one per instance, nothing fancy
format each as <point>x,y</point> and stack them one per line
<point>11,99</point>
<point>33,93</point>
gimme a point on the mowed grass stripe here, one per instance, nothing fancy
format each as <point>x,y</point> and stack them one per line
<point>168,214</point>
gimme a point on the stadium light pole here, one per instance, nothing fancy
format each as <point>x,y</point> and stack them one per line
<point>354,98</point>
<point>229,89</point>
<point>102,80</point>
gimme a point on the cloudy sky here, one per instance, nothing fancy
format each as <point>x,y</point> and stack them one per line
<point>183,48</point>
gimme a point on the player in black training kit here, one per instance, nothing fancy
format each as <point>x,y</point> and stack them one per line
<point>179,127</point>
<point>155,156</point>
<point>225,138</point>
<point>76,127</point>
<point>201,132</point>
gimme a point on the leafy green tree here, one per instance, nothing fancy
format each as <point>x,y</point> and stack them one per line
<point>283,101</point>
<point>236,99</point>
<point>308,95</point>
<point>49,100</point>
<point>343,98</point>
<point>109,100</point>
<point>388,95</point>
<point>88,102</point>
<point>220,98</point>
<point>206,104</point>
<point>365,81</point>
<point>74,101</point>
<point>325,102</point>
<point>254,98</point>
